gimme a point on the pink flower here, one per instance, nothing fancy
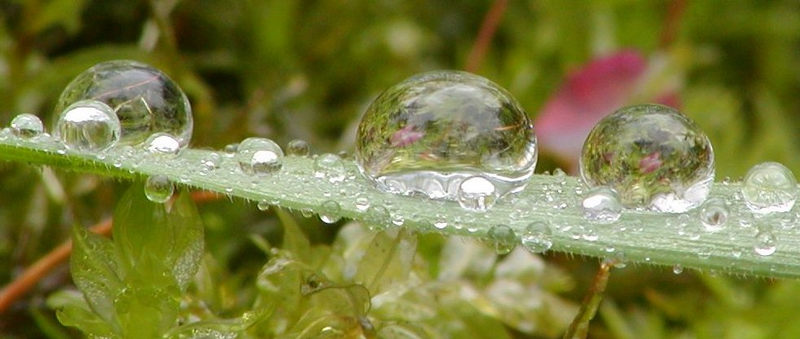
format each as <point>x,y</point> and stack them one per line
<point>650,163</point>
<point>405,136</point>
<point>589,94</point>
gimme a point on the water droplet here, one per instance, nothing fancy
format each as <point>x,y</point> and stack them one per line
<point>537,237</point>
<point>306,212</point>
<point>765,243</point>
<point>769,187</point>
<point>259,156</point>
<point>330,211</point>
<point>677,269</point>
<point>432,131</point>
<point>714,214</point>
<point>440,224</point>
<point>27,125</point>
<point>231,148</point>
<point>162,143</point>
<point>329,166</point>
<point>503,238</point>
<point>263,205</point>
<point>652,155</point>
<point>144,99</point>
<point>601,204</point>
<point>211,161</point>
<point>398,219</point>
<point>476,193</point>
<point>298,148</point>
<point>362,203</point>
<point>377,216</point>
<point>158,188</point>
<point>88,125</point>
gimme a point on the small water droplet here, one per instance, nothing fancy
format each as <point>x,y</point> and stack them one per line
<point>88,125</point>
<point>330,212</point>
<point>537,237</point>
<point>362,203</point>
<point>162,143</point>
<point>158,188</point>
<point>231,148</point>
<point>430,132</point>
<point>440,224</point>
<point>601,204</point>
<point>769,187</point>
<point>765,243</point>
<point>377,216</point>
<point>259,156</point>
<point>677,269</point>
<point>398,219</point>
<point>503,238</point>
<point>298,148</point>
<point>476,193</point>
<point>329,166</point>
<point>652,155</point>
<point>306,212</point>
<point>211,161</point>
<point>263,205</point>
<point>713,214</point>
<point>27,125</point>
<point>143,98</point>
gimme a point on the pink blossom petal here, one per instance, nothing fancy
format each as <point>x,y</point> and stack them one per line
<point>405,136</point>
<point>650,163</point>
<point>588,95</point>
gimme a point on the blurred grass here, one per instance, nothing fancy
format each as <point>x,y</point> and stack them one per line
<point>306,69</point>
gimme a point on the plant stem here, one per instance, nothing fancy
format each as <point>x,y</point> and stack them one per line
<point>485,35</point>
<point>579,328</point>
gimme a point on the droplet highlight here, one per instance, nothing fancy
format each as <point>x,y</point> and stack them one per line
<point>765,243</point>
<point>652,155</point>
<point>602,205</point>
<point>162,143</point>
<point>330,166</point>
<point>259,156</point>
<point>769,187</point>
<point>144,99</point>
<point>477,194</point>
<point>26,125</point>
<point>430,132</point>
<point>158,188</point>
<point>88,125</point>
<point>713,215</point>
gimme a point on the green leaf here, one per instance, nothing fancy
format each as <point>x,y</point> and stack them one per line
<point>639,236</point>
<point>153,244</point>
<point>72,310</point>
<point>95,272</point>
<point>146,311</point>
<point>387,260</point>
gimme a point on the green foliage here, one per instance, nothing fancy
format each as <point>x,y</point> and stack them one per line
<point>132,286</point>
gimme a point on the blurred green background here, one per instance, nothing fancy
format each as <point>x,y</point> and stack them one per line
<point>307,69</point>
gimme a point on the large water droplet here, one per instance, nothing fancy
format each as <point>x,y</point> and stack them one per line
<point>765,243</point>
<point>298,148</point>
<point>537,237</point>
<point>88,125</point>
<point>769,187</point>
<point>432,131</point>
<point>26,125</point>
<point>652,155</point>
<point>158,188</point>
<point>259,156</point>
<point>602,205</point>
<point>476,193</point>
<point>329,166</point>
<point>162,143</point>
<point>503,238</point>
<point>714,214</point>
<point>144,99</point>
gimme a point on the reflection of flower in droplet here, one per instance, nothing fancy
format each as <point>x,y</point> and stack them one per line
<point>405,136</point>
<point>650,163</point>
<point>589,94</point>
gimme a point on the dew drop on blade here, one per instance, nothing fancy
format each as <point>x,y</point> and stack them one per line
<point>377,217</point>
<point>653,156</point>
<point>765,243</point>
<point>330,212</point>
<point>476,193</point>
<point>298,148</point>
<point>88,125</point>
<point>713,214</point>
<point>163,144</point>
<point>601,204</point>
<point>259,156</point>
<point>769,187</point>
<point>429,133</point>
<point>537,237</point>
<point>144,99</point>
<point>158,188</point>
<point>27,125</point>
<point>330,166</point>
<point>503,238</point>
